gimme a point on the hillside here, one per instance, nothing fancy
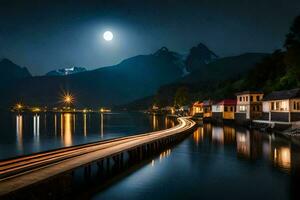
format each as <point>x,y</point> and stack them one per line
<point>213,80</point>
<point>225,68</point>
<point>11,72</point>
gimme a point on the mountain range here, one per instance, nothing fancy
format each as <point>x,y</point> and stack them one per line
<point>132,79</point>
<point>12,72</point>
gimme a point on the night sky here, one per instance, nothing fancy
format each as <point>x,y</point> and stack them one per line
<point>46,35</point>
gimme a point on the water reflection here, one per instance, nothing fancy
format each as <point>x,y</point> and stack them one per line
<point>74,123</point>
<point>196,165</point>
<point>155,122</point>
<point>282,157</point>
<point>165,154</point>
<point>27,133</point>
<point>55,124</point>
<point>218,135</point>
<point>101,125</point>
<point>243,144</point>
<point>84,124</point>
<point>229,135</point>
<point>19,132</point>
<point>162,155</point>
<point>67,129</point>
<point>198,135</point>
<point>36,129</point>
<point>250,145</point>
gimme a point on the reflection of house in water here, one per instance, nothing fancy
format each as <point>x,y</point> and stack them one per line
<point>229,135</point>
<point>286,157</point>
<point>217,135</point>
<point>198,135</point>
<point>243,144</point>
<point>281,155</point>
<point>207,128</point>
<point>249,145</point>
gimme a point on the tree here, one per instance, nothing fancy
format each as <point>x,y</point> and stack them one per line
<point>181,97</point>
<point>292,45</point>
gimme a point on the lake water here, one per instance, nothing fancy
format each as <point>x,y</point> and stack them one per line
<point>215,162</point>
<point>28,133</point>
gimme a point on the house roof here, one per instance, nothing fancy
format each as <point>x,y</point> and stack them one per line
<point>284,94</point>
<point>207,103</point>
<point>198,104</point>
<point>249,92</point>
<point>227,102</point>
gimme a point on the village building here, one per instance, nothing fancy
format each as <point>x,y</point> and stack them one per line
<point>207,109</point>
<point>249,106</point>
<point>282,106</point>
<point>197,109</point>
<point>224,110</point>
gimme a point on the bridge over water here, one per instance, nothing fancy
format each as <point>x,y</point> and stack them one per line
<point>22,172</point>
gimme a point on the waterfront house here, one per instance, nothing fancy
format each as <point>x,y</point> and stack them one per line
<point>184,110</point>
<point>207,109</point>
<point>197,109</point>
<point>249,106</point>
<point>282,106</point>
<point>224,110</point>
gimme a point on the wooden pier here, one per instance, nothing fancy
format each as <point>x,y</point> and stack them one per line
<point>22,172</point>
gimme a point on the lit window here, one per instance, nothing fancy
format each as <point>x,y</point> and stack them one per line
<point>242,108</point>
<point>272,106</point>
<point>283,105</point>
<point>276,105</point>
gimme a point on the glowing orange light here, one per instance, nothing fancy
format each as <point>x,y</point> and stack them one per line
<point>68,98</point>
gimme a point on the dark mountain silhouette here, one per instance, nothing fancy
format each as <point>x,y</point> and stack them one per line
<point>11,72</point>
<point>131,79</point>
<point>198,57</point>
<point>224,68</point>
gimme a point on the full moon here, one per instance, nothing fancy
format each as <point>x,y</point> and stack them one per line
<point>108,36</point>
